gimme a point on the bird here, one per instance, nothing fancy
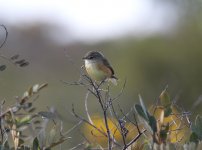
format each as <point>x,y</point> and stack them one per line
<point>98,67</point>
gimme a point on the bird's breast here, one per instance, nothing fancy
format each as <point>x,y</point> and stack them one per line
<point>96,70</point>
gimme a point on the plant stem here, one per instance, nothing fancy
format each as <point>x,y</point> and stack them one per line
<point>105,116</point>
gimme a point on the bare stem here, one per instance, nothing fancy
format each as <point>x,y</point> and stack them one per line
<point>122,133</point>
<point>105,116</point>
<point>134,140</point>
<point>2,44</point>
<point>87,122</point>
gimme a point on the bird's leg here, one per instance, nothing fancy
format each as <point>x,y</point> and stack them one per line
<point>99,85</point>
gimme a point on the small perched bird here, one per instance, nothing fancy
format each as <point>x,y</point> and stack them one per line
<point>98,67</point>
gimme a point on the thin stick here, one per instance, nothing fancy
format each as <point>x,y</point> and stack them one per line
<point>5,39</point>
<point>134,140</point>
<point>87,122</point>
<point>86,108</point>
<point>121,92</point>
<point>70,130</point>
<point>105,117</point>
<point>122,134</point>
<point>77,146</point>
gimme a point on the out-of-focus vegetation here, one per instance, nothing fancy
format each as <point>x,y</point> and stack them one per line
<point>23,128</point>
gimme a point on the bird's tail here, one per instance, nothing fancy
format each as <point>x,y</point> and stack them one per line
<point>113,80</point>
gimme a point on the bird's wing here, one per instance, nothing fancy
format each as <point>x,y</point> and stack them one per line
<point>106,63</point>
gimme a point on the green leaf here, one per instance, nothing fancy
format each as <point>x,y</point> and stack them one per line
<point>141,112</point>
<point>31,91</point>
<point>5,146</point>
<point>153,123</point>
<point>15,57</point>
<point>23,121</point>
<point>164,133</point>
<point>165,99</point>
<point>36,144</point>
<point>194,138</point>
<point>142,104</point>
<point>167,111</point>
<point>197,127</point>
<point>2,67</point>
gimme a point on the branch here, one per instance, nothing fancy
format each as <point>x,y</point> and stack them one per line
<point>70,130</point>
<point>86,108</point>
<point>2,44</point>
<point>121,126</point>
<point>134,140</point>
<point>121,92</point>
<point>105,115</point>
<point>86,121</point>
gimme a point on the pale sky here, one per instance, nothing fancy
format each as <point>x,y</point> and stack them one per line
<point>94,19</point>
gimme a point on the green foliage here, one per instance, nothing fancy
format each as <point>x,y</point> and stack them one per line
<point>142,111</point>
<point>2,67</point>
<point>163,129</point>
<point>194,138</point>
<point>22,117</point>
<point>36,144</point>
<point>196,135</point>
<point>167,111</point>
<point>153,123</point>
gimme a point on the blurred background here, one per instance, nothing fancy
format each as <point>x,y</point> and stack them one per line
<point>151,43</point>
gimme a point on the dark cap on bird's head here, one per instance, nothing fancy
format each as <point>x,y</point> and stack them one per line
<point>93,55</point>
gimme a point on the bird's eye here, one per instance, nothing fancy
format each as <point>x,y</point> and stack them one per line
<point>91,57</point>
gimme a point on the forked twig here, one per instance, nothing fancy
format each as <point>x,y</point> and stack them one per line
<point>134,140</point>
<point>87,122</point>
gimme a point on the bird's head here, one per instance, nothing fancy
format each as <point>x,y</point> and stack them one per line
<point>93,55</point>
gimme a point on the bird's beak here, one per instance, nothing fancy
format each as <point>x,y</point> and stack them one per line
<point>84,58</point>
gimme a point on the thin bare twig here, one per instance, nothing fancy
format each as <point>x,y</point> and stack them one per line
<point>81,83</point>
<point>70,130</point>
<point>125,116</point>
<point>7,59</point>
<point>78,145</point>
<point>134,140</point>
<point>105,117</point>
<point>122,132</point>
<point>121,92</point>
<point>86,108</point>
<point>86,121</point>
<point>1,123</point>
<point>136,124</point>
<point>5,39</point>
